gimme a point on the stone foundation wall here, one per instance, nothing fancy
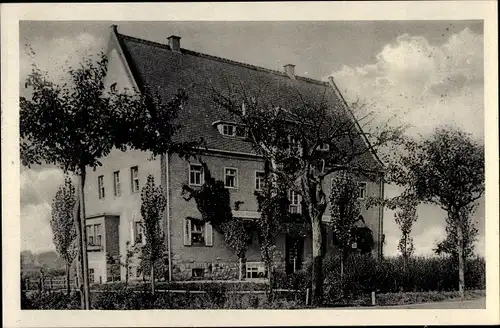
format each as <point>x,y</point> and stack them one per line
<point>183,270</point>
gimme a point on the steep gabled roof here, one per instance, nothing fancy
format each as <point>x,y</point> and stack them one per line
<point>157,66</point>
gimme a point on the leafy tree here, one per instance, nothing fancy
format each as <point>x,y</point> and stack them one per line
<point>446,169</point>
<point>63,225</point>
<point>127,261</point>
<point>75,124</point>
<point>153,204</point>
<point>293,129</point>
<point>345,211</point>
<point>449,244</point>
<point>213,201</point>
<point>405,216</point>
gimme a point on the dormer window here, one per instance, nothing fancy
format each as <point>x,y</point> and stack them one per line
<point>228,130</point>
<point>231,129</point>
<point>324,147</point>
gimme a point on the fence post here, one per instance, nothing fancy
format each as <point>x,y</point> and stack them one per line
<point>307,296</point>
<point>373,298</point>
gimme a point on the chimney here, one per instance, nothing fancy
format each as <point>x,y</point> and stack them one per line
<point>174,42</point>
<point>290,71</point>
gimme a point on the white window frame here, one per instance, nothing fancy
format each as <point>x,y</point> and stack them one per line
<point>90,234</point>
<point>96,226</point>
<point>235,177</point>
<point>362,186</point>
<point>228,126</point>
<point>139,231</point>
<point>206,232</point>
<point>202,174</point>
<point>260,181</point>
<point>133,179</point>
<point>116,184</point>
<point>198,232</point>
<point>323,148</point>
<point>257,268</point>
<point>100,186</point>
<point>294,204</point>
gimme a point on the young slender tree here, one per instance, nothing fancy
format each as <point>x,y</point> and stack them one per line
<point>306,136</point>
<point>405,216</point>
<point>153,204</point>
<point>75,124</point>
<point>63,225</point>
<point>127,261</point>
<point>446,169</point>
<point>345,210</point>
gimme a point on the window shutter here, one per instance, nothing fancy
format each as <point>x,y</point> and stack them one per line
<point>187,232</point>
<point>132,235</point>
<point>209,235</point>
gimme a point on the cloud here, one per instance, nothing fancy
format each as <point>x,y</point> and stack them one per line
<point>56,54</point>
<point>423,84</point>
<point>37,190</point>
<point>36,234</point>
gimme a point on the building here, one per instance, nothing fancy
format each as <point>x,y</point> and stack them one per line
<point>196,250</point>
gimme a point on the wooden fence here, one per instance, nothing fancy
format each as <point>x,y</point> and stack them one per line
<point>48,284</point>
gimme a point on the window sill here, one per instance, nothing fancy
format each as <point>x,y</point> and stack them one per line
<point>233,188</point>
<point>94,248</point>
<point>198,245</point>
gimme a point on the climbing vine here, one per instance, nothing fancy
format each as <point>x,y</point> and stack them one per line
<point>214,204</point>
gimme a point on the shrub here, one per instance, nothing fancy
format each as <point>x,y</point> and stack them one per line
<point>50,301</point>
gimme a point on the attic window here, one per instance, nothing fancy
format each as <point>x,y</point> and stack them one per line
<point>231,130</point>
<point>324,147</point>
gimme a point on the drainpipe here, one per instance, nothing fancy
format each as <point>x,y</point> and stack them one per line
<point>167,169</point>
<point>381,219</point>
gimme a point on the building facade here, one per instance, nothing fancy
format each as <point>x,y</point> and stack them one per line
<point>195,250</point>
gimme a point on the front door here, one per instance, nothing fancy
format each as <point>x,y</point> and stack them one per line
<point>294,248</point>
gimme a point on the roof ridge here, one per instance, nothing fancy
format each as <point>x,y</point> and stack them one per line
<point>225,60</point>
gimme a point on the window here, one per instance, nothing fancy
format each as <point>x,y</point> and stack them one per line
<point>256,270</point>
<point>100,186</point>
<point>116,183</point>
<point>196,175</point>
<point>294,202</point>
<point>324,147</point>
<point>91,276</point>
<point>98,235</point>
<point>231,130</point>
<point>134,178</point>
<point>231,177</point>
<point>228,130</point>
<point>197,273</point>
<point>90,235</point>
<point>139,236</point>
<point>197,233</point>
<point>259,180</point>
<point>361,190</point>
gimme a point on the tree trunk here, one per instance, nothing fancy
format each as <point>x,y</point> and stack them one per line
<point>152,278</point>
<point>317,272</point>
<point>461,262</point>
<point>85,263</point>
<point>79,263</point>
<point>68,285</point>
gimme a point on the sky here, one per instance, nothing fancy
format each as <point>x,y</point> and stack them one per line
<point>423,73</point>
